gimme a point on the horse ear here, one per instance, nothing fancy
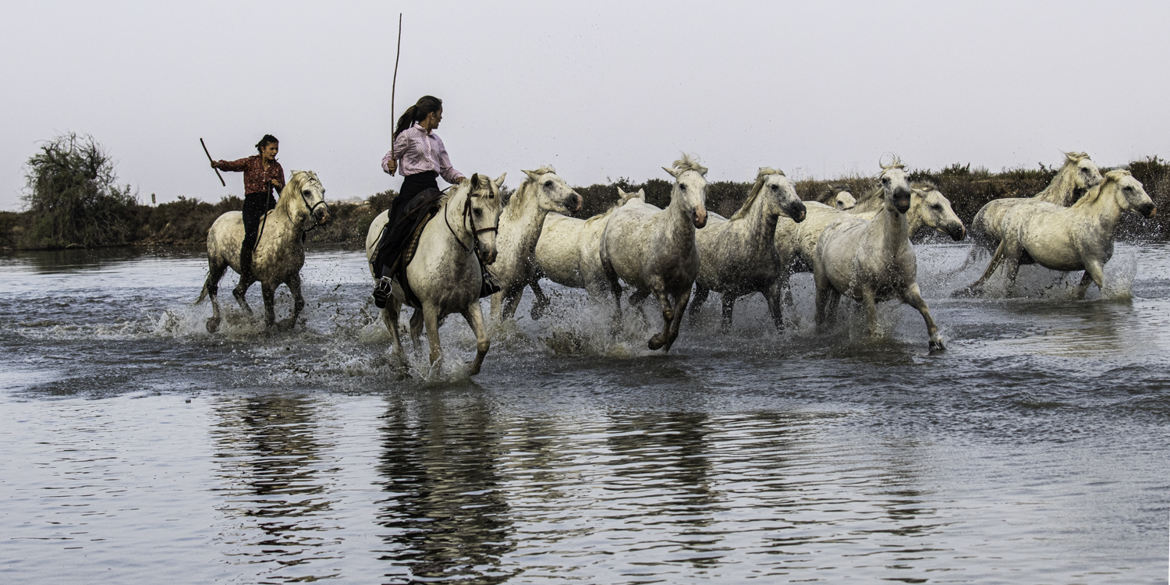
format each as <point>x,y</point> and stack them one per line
<point>672,172</point>
<point>531,174</point>
<point>622,193</point>
<point>499,181</point>
<point>641,193</point>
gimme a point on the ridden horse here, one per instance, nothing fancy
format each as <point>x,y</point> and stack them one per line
<point>521,225</point>
<point>1079,237</point>
<point>446,274</point>
<point>736,255</point>
<point>872,260</point>
<point>279,253</point>
<point>654,249</point>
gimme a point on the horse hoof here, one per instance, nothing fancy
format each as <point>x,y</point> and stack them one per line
<point>656,342</point>
<point>937,347</point>
<point>212,325</point>
<point>966,293</point>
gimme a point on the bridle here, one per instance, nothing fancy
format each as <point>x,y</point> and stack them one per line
<point>467,218</point>
<point>312,208</point>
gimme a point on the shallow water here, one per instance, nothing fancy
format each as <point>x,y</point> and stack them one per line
<point>141,449</point>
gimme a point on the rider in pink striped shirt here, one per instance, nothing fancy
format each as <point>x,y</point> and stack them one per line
<point>423,158</point>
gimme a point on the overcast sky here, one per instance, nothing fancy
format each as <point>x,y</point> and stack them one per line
<point>601,90</point>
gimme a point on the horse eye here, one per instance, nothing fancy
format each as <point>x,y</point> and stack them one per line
<point>548,184</point>
<point>478,212</point>
<point>306,192</point>
<point>775,187</point>
<point>936,207</point>
<point>682,187</point>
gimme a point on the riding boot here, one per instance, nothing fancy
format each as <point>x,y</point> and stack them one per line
<point>489,286</point>
<point>246,266</point>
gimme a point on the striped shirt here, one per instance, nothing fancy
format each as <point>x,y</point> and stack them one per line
<point>419,151</point>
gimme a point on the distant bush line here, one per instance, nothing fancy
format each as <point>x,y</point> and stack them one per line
<point>184,223</point>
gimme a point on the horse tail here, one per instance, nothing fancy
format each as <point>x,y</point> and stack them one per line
<point>202,295</point>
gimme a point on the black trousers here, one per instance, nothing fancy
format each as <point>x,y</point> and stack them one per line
<point>390,244</point>
<point>255,206</point>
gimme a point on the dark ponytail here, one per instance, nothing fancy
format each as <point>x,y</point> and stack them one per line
<point>418,112</point>
<point>268,139</point>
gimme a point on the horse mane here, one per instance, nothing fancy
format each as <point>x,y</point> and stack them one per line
<point>924,185</point>
<point>525,187</point>
<point>869,201</point>
<point>689,163</point>
<point>294,185</point>
<point>761,178</point>
<point>1092,195</point>
<point>1061,187</point>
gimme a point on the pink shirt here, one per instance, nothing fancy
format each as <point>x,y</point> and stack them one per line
<point>419,151</point>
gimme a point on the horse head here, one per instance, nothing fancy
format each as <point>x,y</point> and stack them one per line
<point>553,193</point>
<point>844,200</point>
<point>690,188</point>
<point>1131,194</point>
<point>312,195</point>
<point>482,213</point>
<point>895,186</point>
<point>935,211</point>
<point>781,193</point>
<point>1086,173</point>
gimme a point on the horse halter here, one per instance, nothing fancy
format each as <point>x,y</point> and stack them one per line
<point>312,208</point>
<point>466,215</point>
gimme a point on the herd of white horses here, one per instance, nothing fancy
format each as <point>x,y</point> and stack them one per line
<point>681,253</point>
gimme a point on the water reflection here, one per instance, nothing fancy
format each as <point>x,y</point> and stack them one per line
<point>274,487</point>
<point>445,514</point>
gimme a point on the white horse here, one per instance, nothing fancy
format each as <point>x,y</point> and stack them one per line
<point>736,255</point>
<point>445,273</point>
<point>872,260</point>
<point>796,244</point>
<point>1079,237</point>
<point>1075,177</point>
<point>279,253</point>
<point>569,252</point>
<point>844,201</point>
<point>520,229</point>
<point>654,249</point>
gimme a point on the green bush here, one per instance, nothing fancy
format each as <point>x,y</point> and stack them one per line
<point>72,197</point>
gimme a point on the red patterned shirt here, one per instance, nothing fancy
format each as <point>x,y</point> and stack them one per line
<point>256,178</point>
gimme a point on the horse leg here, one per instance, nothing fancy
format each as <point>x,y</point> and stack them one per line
<point>241,294</point>
<point>268,292</point>
<point>430,314</point>
<point>474,317</point>
<point>775,305</point>
<point>416,327</point>
<point>511,301</point>
<point>728,307</point>
<point>660,339</point>
<point>211,286</point>
<point>824,291</point>
<point>680,307</point>
<point>294,286</point>
<point>701,293</point>
<point>870,303</point>
<point>996,259</point>
<point>1011,267</point>
<point>1094,272</point>
<point>390,318</point>
<point>913,297</point>
<point>540,301</point>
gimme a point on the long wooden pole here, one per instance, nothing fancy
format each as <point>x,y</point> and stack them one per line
<point>394,82</point>
<point>221,181</point>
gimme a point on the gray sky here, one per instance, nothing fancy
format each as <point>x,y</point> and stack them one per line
<point>602,90</point>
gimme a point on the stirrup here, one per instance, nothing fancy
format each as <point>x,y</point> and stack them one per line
<point>382,291</point>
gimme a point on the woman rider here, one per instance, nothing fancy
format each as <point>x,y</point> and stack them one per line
<point>261,174</point>
<point>420,156</point>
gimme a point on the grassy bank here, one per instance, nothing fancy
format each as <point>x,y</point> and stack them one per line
<point>184,223</point>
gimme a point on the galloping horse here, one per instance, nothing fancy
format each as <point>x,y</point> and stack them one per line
<point>654,249</point>
<point>736,255</point>
<point>569,252</point>
<point>872,260</point>
<point>445,273</point>
<point>1077,175</point>
<point>279,253</point>
<point>1079,237</point>
<point>520,229</point>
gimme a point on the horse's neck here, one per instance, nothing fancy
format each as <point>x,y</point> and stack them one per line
<point>453,216</point>
<point>678,219</point>
<point>287,213</point>
<point>758,223</point>
<point>892,228</point>
<point>1061,188</point>
<point>524,217</point>
<point>1104,211</point>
